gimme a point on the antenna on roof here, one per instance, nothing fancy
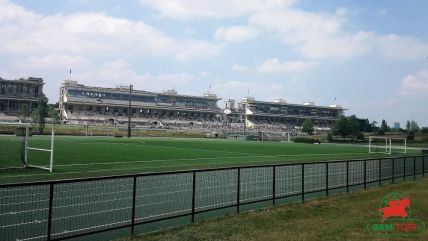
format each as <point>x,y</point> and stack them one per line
<point>70,75</point>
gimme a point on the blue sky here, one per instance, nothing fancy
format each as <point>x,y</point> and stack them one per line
<point>369,55</point>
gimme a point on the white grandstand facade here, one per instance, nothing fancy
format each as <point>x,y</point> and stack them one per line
<point>80,104</point>
<point>88,105</point>
<point>251,114</point>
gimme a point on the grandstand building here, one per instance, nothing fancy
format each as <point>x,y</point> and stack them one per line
<point>80,104</point>
<point>14,94</point>
<point>279,115</point>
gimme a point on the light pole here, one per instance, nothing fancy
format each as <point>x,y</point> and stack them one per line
<point>129,111</point>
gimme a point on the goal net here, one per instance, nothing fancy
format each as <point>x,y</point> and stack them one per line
<point>274,136</point>
<point>387,145</point>
<point>12,151</point>
<point>17,150</point>
<point>379,144</point>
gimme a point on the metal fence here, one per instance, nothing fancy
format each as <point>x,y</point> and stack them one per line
<point>69,209</point>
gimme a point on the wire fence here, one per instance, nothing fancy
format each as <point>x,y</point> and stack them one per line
<point>70,209</point>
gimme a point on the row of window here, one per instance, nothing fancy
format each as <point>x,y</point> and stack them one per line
<point>140,98</point>
<point>295,110</point>
<point>19,89</point>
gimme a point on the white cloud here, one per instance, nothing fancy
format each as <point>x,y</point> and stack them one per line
<point>325,36</point>
<point>53,62</point>
<point>402,47</point>
<point>414,84</point>
<point>240,68</point>
<point>236,34</point>
<point>193,48</point>
<point>315,35</point>
<point>189,9</point>
<point>95,34</point>
<point>120,71</point>
<point>275,66</point>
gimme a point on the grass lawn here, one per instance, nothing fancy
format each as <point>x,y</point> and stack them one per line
<point>98,156</point>
<point>341,217</point>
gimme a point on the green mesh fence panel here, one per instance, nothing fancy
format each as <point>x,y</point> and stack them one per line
<point>409,166</point>
<point>24,213</point>
<point>315,179</point>
<point>356,172</point>
<point>337,174</point>
<point>419,165</point>
<point>398,167</point>
<point>425,164</point>
<point>372,170</point>
<point>386,169</point>
<point>216,189</point>
<point>163,196</point>
<point>256,184</point>
<point>88,206</point>
<point>288,180</point>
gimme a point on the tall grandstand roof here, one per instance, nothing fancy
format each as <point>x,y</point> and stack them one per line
<point>284,103</point>
<point>125,89</point>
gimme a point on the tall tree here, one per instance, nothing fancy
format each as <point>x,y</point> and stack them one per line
<point>53,113</point>
<point>383,127</point>
<point>24,112</point>
<point>353,126</point>
<point>308,127</point>
<point>40,113</point>
<point>408,125</point>
<point>414,127</point>
<point>340,127</point>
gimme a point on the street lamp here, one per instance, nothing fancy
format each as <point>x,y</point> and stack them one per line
<point>129,111</point>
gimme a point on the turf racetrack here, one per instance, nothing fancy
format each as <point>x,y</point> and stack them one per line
<point>100,156</point>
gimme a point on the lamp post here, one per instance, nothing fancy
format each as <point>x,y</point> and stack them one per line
<point>129,111</point>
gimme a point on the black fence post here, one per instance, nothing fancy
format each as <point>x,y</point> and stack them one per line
<point>423,166</point>
<point>193,196</point>
<point>404,167</point>
<point>134,195</point>
<point>365,174</point>
<point>414,167</point>
<point>347,176</point>
<point>303,182</point>
<point>393,170</point>
<point>51,190</point>
<point>238,191</point>
<point>326,178</point>
<point>273,185</point>
<point>380,171</point>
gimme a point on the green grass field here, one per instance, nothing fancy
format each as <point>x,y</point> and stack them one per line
<point>100,156</point>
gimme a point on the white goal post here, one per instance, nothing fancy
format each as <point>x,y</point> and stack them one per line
<point>51,151</point>
<point>387,145</point>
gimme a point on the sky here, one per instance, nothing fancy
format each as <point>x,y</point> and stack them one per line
<point>368,56</point>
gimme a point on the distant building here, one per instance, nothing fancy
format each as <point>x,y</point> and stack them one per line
<point>18,92</point>
<point>396,125</point>
<point>81,104</point>
<point>280,115</point>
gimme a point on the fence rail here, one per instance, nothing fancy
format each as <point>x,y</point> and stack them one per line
<point>66,209</point>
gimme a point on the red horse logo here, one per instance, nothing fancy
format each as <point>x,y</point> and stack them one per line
<point>395,208</point>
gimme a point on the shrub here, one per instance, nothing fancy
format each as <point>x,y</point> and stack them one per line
<point>330,137</point>
<point>305,140</point>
